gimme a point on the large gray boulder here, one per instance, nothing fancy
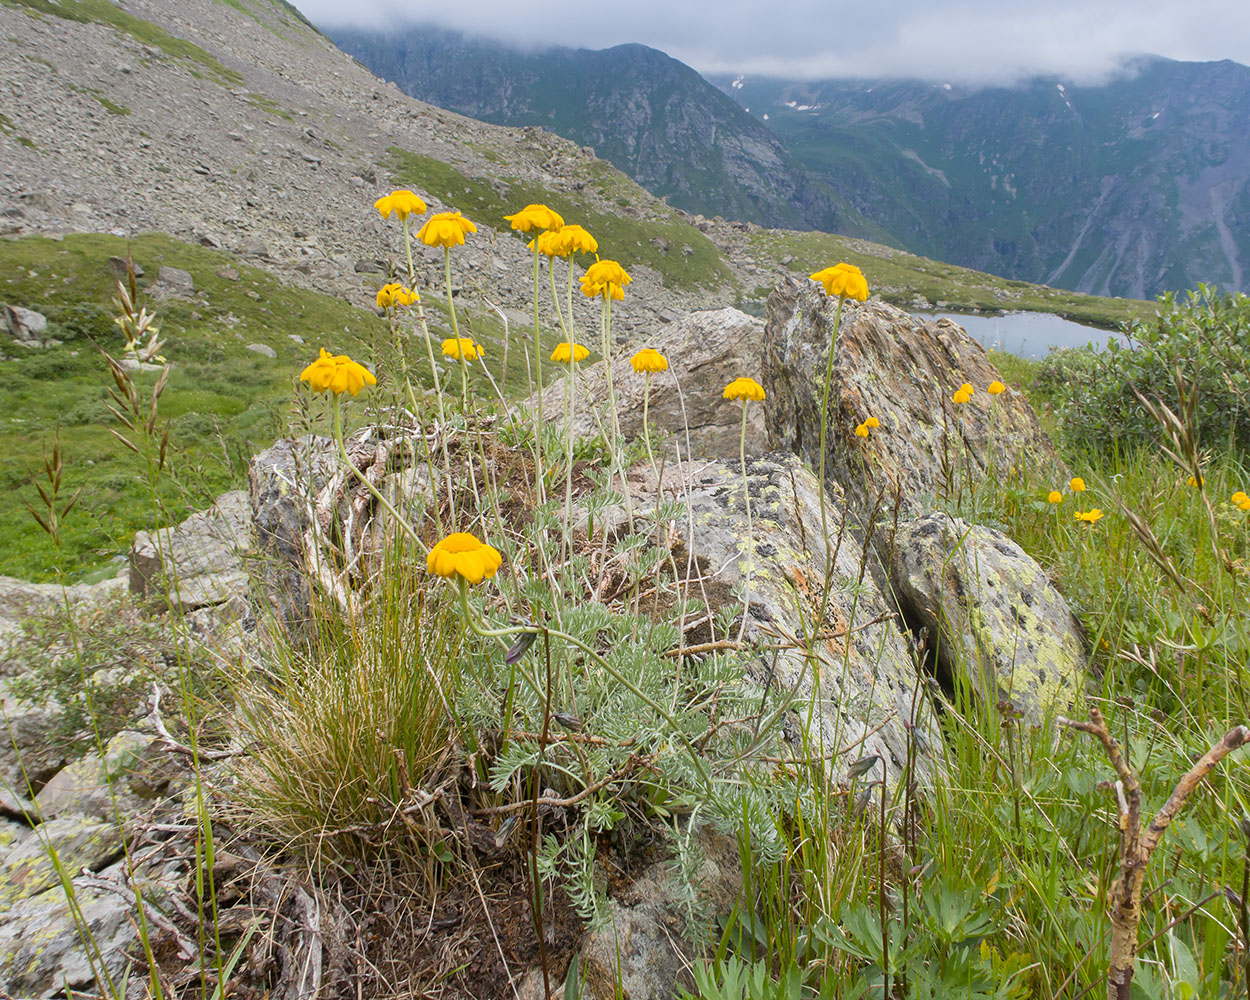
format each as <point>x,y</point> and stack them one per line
<point>903,371</point>
<point>201,561</point>
<point>706,351</point>
<point>26,325</point>
<point>998,624</point>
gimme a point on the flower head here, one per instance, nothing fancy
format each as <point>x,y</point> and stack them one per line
<point>462,347</point>
<point>402,203</point>
<point>744,389</point>
<point>396,294</point>
<point>861,430</point>
<point>463,555</point>
<point>1089,516</point>
<point>1054,496</point>
<point>961,396</point>
<point>968,388</point>
<point>336,374</point>
<point>1077,485</point>
<point>535,217</point>
<point>649,360</point>
<point>872,422</point>
<point>566,353</point>
<point>445,229</point>
<point>564,241</point>
<point>1195,482</point>
<point>995,387</point>
<point>843,279</point>
<point>606,278</point>
<point>1241,500</point>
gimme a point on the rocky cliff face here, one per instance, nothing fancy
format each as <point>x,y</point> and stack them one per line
<point>1132,188</point>
<point>649,115</point>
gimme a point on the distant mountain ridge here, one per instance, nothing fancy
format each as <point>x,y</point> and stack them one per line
<point>1132,188</point>
<point>649,115</point>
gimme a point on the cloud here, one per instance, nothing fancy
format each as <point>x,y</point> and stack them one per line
<point>969,41</point>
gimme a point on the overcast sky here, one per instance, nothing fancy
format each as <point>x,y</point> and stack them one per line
<point>995,41</point>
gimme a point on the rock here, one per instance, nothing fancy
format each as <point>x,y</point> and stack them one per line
<point>28,753</point>
<point>118,266</point>
<point>863,700</point>
<point>283,479</point>
<point>264,349</point>
<point>26,325</point>
<point>647,925</point>
<point>706,351</point>
<point>998,623</point>
<point>80,842</point>
<point>41,949</point>
<point>903,371</point>
<point>228,273</point>
<point>172,283</point>
<point>200,561</point>
<point>18,599</point>
<point>132,763</point>
<point>131,364</point>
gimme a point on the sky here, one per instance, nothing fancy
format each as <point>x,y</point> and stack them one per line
<point>969,41</point>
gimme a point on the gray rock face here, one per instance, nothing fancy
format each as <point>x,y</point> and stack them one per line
<point>706,351</point>
<point>283,480</point>
<point>863,695</point>
<point>903,371</point>
<point>26,325</point>
<point>171,283</point>
<point>998,623</point>
<point>131,763</point>
<point>27,752</point>
<point>19,598</point>
<point>200,562</point>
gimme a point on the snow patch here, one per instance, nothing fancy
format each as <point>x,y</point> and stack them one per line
<point>946,86</point>
<point>737,84</point>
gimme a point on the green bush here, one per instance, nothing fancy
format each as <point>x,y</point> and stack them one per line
<point>1204,335</point>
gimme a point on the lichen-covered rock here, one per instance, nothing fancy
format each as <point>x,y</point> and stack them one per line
<point>705,351</point>
<point>998,623</point>
<point>283,480</point>
<point>28,753</point>
<point>130,773</point>
<point>80,842</point>
<point>19,599</point>
<point>903,371</point>
<point>200,562</point>
<point>863,694</point>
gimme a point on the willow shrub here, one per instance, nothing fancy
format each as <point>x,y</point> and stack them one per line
<point>1204,335</point>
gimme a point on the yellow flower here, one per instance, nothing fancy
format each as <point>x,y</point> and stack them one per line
<point>445,229</point>
<point>1239,498</point>
<point>1195,482</point>
<point>843,279</point>
<point>1245,504</point>
<point>396,294</point>
<point>606,278</point>
<point>967,387</point>
<point>961,396</point>
<point>402,203</point>
<point>564,241</point>
<point>861,431</point>
<point>743,388</point>
<point>564,353</point>
<point>872,422</point>
<point>463,555</point>
<point>995,387</point>
<point>649,360</point>
<point>455,347</point>
<point>336,374</point>
<point>1054,497</point>
<point>535,217</point>
<point>1077,485</point>
<point>1089,516</point>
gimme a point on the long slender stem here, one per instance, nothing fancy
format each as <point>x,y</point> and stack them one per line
<point>746,497</point>
<point>541,485</point>
<point>569,394</point>
<point>646,429</point>
<point>824,428</point>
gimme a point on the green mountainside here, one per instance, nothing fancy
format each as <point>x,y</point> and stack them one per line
<point>649,115</point>
<point>1132,188</point>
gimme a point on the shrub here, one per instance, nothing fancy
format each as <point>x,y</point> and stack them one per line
<point>1204,335</point>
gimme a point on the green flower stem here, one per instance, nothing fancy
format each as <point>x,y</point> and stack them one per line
<point>377,495</point>
<point>824,429</point>
<point>442,416</point>
<point>569,394</point>
<point>541,485</point>
<point>646,430</point>
<point>455,332</point>
<point>616,675</point>
<point>746,496</point>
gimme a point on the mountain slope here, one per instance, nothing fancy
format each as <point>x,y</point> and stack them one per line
<point>1132,188</point>
<point>649,115</point>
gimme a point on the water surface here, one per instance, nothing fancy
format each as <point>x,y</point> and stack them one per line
<point>1028,334</point>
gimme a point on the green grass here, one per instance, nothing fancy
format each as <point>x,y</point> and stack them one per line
<point>142,31</point>
<point>225,402</point>
<point>271,106</point>
<point>683,256</point>
<point>899,277</point>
